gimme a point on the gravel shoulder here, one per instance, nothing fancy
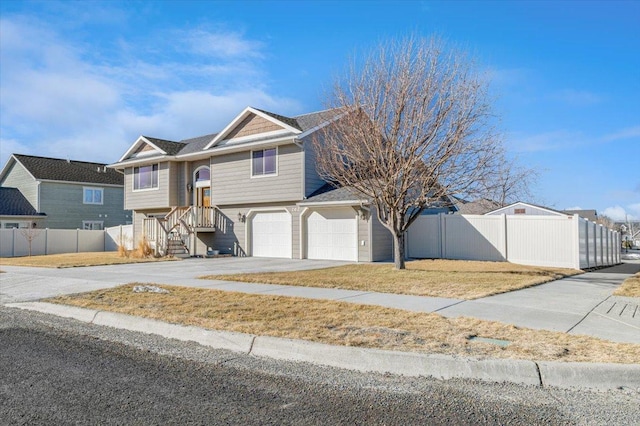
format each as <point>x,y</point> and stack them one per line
<point>289,392</point>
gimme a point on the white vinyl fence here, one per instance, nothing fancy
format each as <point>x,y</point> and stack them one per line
<point>556,241</point>
<point>15,242</point>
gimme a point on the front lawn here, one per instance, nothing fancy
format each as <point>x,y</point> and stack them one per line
<point>70,260</point>
<point>341,323</point>
<point>457,279</point>
<point>630,287</point>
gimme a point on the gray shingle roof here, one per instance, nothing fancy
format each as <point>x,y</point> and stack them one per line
<point>287,120</point>
<point>13,203</point>
<point>170,147</point>
<point>196,144</point>
<point>44,168</point>
<point>311,120</point>
<point>329,193</point>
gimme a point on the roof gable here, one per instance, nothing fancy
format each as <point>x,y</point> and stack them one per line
<point>56,169</point>
<point>521,204</point>
<point>146,146</point>
<point>253,122</point>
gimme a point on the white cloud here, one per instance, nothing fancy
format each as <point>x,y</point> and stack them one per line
<point>576,97</point>
<point>221,44</point>
<point>574,208</point>
<point>547,141</point>
<point>627,133</point>
<point>61,98</point>
<point>619,213</point>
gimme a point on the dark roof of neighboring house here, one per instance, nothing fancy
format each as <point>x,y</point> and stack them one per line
<point>44,168</point>
<point>480,206</point>
<point>591,215</point>
<point>170,147</point>
<point>13,203</point>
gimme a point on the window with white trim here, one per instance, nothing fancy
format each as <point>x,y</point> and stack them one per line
<point>145,177</point>
<point>263,162</point>
<point>92,195</point>
<point>94,225</point>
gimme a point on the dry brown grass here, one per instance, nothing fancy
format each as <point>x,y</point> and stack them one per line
<point>70,260</point>
<point>341,323</point>
<point>630,287</point>
<point>437,278</point>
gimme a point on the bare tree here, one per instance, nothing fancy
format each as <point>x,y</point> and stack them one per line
<point>512,183</point>
<point>415,130</point>
<point>30,233</point>
<point>606,221</point>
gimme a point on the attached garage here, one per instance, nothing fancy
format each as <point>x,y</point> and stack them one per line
<point>271,234</point>
<point>332,234</point>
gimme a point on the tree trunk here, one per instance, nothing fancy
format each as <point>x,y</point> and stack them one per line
<point>398,251</point>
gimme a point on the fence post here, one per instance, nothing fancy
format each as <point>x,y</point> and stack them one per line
<point>576,241</point>
<point>442,229</point>
<point>77,240</point>
<point>506,238</point>
<point>13,242</point>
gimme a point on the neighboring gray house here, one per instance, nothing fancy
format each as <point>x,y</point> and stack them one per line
<point>17,212</point>
<point>71,194</point>
<point>250,190</point>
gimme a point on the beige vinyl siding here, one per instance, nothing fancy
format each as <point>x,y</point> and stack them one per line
<point>312,180</point>
<point>232,182</point>
<point>63,204</point>
<point>150,198</point>
<point>381,240</point>
<point>18,177</point>
<point>174,184</point>
<point>363,235</point>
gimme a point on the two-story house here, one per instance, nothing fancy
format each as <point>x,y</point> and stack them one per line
<point>68,194</point>
<point>250,190</point>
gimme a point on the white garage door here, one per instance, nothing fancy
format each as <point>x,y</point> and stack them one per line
<point>332,234</point>
<point>271,234</point>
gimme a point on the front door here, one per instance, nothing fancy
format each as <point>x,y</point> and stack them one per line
<point>204,196</point>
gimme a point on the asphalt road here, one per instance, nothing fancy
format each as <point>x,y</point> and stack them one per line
<point>60,371</point>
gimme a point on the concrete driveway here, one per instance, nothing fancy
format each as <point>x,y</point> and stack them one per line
<point>21,284</point>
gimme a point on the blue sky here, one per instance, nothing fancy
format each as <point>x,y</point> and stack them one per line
<point>84,79</point>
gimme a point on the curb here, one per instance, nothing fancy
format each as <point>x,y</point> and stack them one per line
<point>594,376</point>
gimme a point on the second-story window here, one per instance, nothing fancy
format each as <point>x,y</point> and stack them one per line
<point>145,177</point>
<point>263,162</point>
<point>92,195</point>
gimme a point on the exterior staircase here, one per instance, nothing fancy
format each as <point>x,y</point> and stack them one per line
<point>171,235</point>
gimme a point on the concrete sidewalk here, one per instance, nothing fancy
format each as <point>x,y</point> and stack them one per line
<point>578,305</point>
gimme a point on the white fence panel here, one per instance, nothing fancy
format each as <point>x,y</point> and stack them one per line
<point>62,241</point>
<point>20,241</point>
<point>423,238</point>
<point>583,235</point>
<point>118,235</point>
<point>474,237</point>
<point>90,241</point>
<point>599,261</point>
<point>541,241</point>
<point>592,244</point>
<point>6,242</point>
